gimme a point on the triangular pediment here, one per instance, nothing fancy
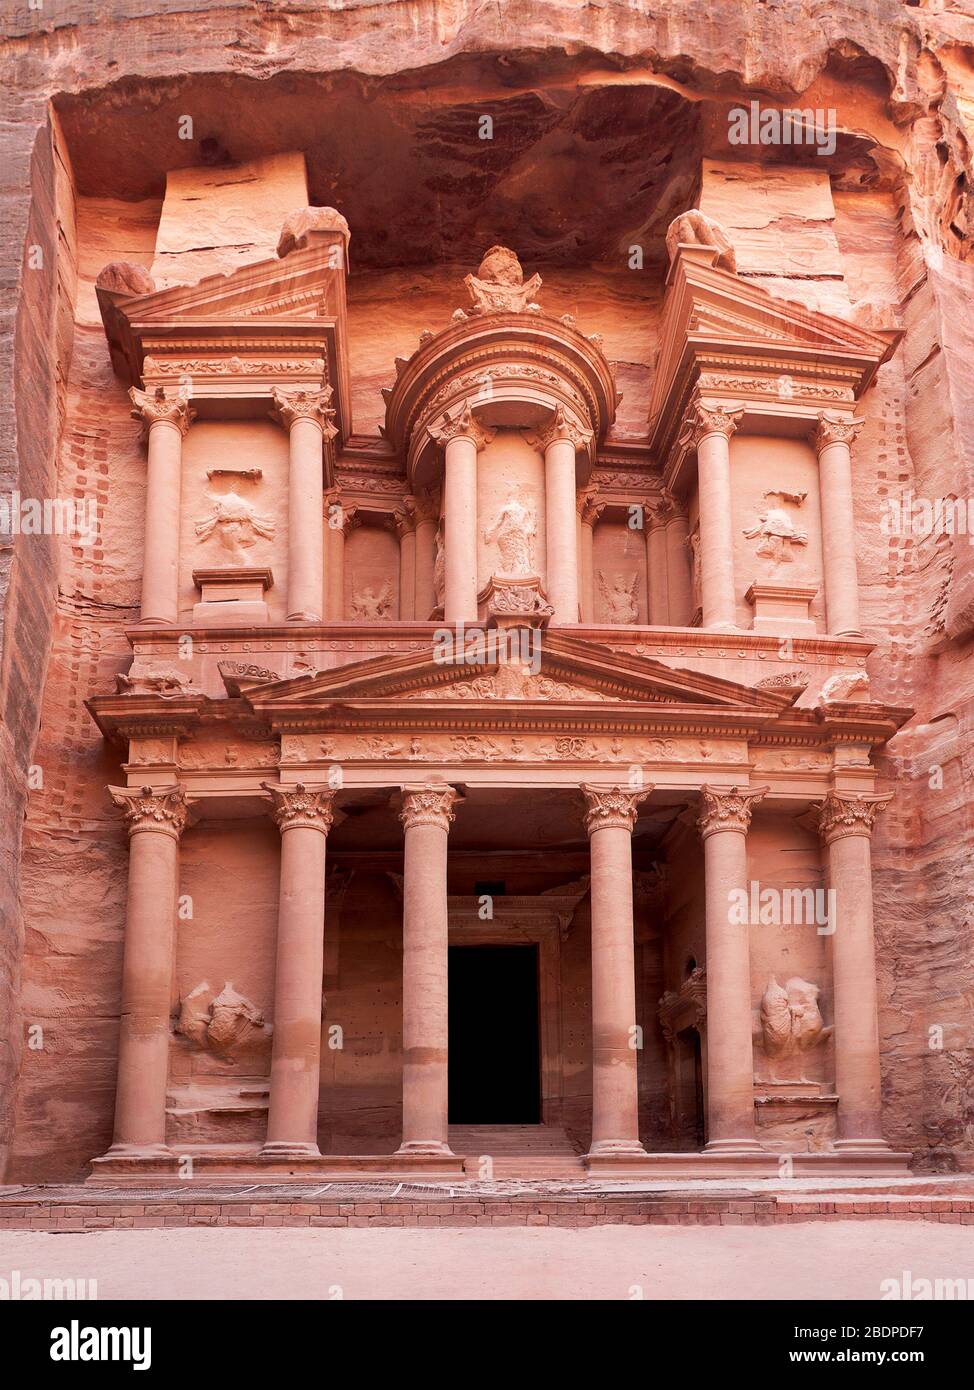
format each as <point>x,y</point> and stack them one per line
<point>564,670</point>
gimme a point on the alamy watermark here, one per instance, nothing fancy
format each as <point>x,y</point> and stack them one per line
<point>482,646</point>
<point>755,906</point>
<point>919,517</point>
<point>755,124</point>
<point>21,1288</point>
<point>49,516</point>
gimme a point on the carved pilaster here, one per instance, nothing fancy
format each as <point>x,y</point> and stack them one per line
<point>427,805</point>
<point>155,407</point>
<point>849,813</point>
<point>162,810</point>
<point>307,807</point>
<point>462,423</point>
<point>293,405</point>
<point>727,808</point>
<point>834,428</point>
<point>611,807</point>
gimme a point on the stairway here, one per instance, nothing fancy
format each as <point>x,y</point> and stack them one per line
<point>517,1151</point>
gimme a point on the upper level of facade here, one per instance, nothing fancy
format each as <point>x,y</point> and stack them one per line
<point>499,484</point>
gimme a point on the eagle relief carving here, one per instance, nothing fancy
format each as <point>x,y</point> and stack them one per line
<point>619,597</point>
<point>372,602</point>
<point>775,531</point>
<point>236,523</point>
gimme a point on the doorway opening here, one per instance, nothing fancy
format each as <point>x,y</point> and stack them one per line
<point>495,1053</point>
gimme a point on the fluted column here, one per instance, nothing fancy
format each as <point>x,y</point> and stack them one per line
<point>307,416</point>
<point>427,520</point>
<point>165,421</point>
<point>609,819</point>
<point>833,439</point>
<point>711,427</point>
<point>156,818</point>
<point>304,817</point>
<point>846,823</point>
<point>589,512</point>
<point>679,583</point>
<point>426,815</point>
<point>725,817</point>
<point>656,513</point>
<point>403,526</point>
<point>461,436</point>
<point>559,442</point>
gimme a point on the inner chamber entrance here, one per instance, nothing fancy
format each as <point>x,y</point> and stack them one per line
<point>495,1059</point>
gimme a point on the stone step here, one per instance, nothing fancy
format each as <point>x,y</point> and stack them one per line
<point>513,1140</point>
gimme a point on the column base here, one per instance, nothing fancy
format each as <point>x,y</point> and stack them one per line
<point>303,618</point>
<point>733,1146</point>
<point>862,1146</point>
<point>145,1152</point>
<point>424,1147</point>
<point>283,1148</point>
<point>612,1148</point>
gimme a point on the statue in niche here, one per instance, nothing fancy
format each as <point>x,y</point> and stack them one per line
<point>224,1024</point>
<point>776,530</point>
<point>619,597</point>
<point>439,568</point>
<point>236,522</point>
<point>514,531</point>
<point>372,606</point>
<point>695,228</point>
<point>499,286</point>
<point>791,1021</point>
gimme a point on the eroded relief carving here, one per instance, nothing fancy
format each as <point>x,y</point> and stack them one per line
<point>791,1021</point>
<point>775,530</point>
<point>143,679</point>
<point>695,228</point>
<point>845,685</point>
<point>371,605</point>
<point>226,1023</point>
<point>236,523</point>
<point>514,532</point>
<point>619,596</point>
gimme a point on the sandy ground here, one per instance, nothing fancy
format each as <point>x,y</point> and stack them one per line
<point>846,1260</point>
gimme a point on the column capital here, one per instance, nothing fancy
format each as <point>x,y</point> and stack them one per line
<point>709,417</point>
<point>309,808</point>
<point>727,808</point>
<point>834,428</point>
<point>159,809</point>
<point>156,408</point>
<point>662,508</point>
<point>428,805</point>
<point>426,506</point>
<point>588,505</point>
<point>613,808</point>
<point>292,405</point>
<point>849,813</point>
<point>560,429</point>
<point>402,520</point>
<point>461,424</point>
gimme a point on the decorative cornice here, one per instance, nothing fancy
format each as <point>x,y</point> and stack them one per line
<point>156,408</point>
<point>852,813</point>
<point>307,808</point>
<point>727,808</point>
<point>834,428</point>
<point>427,805</point>
<point>290,406</point>
<point>560,429</point>
<point>462,424</point>
<point>611,808</point>
<point>161,810</point>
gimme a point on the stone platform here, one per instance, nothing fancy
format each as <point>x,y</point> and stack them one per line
<point>470,1203</point>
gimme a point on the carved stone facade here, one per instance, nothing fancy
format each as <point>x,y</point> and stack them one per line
<point>497,670</point>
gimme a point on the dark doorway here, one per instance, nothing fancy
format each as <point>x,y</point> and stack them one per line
<point>495,1062</point>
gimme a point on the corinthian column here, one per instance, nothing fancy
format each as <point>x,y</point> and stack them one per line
<point>679,587</point>
<point>609,819</point>
<point>711,427</point>
<point>307,417</point>
<point>462,437</point>
<point>165,420</point>
<point>426,815</point>
<point>559,441</point>
<point>155,822</point>
<point>846,823</point>
<point>304,817</point>
<point>833,438</point>
<point>725,817</point>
